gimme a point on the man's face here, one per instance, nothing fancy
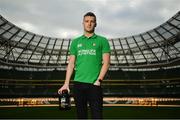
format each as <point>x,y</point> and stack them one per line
<point>89,24</point>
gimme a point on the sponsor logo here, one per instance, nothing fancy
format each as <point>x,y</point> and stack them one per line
<point>87,52</point>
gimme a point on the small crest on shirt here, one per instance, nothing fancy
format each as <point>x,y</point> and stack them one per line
<point>79,45</point>
<point>94,44</point>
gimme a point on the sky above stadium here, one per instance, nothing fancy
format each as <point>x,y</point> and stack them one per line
<point>63,18</point>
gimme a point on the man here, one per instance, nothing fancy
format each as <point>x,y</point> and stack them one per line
<point>90,57</point>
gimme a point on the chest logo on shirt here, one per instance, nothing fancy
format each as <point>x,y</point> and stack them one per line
<point>94,44</point>
<point>79,45</point>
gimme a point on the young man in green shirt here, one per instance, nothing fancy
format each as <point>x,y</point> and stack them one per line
<point>90,57</point>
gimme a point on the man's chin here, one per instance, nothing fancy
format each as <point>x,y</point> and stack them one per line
<point>90,31</point>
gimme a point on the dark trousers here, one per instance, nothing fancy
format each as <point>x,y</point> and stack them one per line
<point>84,94</point>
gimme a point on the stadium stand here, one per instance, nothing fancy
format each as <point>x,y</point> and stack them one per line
<point>147,64</point>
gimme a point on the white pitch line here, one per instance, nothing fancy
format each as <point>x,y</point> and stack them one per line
<point>109,105</point>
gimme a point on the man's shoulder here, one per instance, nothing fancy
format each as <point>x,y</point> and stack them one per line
<point>75,40</point>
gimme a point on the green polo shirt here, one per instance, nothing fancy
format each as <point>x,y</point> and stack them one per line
<point>88,53</point>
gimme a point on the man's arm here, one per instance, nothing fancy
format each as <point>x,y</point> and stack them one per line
<point>69,71</point>
<point>105,67</point>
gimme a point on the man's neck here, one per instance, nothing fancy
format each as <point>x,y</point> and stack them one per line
<point>87,34</point>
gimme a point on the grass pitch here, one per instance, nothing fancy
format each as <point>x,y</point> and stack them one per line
<point>109,112</point>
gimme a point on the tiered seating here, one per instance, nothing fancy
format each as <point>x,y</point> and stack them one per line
<point>116,83</point>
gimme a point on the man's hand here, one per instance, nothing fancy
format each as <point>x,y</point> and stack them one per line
<point>97,83</point>
<point>64,87</point>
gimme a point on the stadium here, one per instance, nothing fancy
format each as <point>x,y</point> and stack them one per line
<point>143,80</point>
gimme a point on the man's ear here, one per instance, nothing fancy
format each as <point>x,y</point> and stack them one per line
<point>95,24</point>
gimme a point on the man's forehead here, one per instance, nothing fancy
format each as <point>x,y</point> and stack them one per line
<point>89,18</point>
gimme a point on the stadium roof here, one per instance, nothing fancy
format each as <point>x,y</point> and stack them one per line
<point>156,48</point>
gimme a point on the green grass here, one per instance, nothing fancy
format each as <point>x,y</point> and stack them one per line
<point>123,112</point>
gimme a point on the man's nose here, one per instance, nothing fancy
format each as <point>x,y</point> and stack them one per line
<point>89,23</point>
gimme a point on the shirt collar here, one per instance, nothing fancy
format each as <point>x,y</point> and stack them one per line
<point>93,36</point>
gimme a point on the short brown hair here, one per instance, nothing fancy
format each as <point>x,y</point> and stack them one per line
<point>90,14</point>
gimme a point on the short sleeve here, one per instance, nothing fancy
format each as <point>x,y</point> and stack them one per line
<point>105,46</point>
<point>73,50</point>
